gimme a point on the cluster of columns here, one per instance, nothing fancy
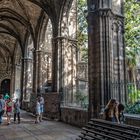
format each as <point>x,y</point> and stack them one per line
<point>101,20</point>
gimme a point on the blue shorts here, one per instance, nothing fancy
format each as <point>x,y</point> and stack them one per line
<point>41,108</point>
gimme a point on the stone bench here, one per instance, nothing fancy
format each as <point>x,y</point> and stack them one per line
<point>98,129</point>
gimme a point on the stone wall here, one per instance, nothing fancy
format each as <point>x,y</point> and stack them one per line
<point>132,120</point>
<point>51,105</point>
<point>74,116</point>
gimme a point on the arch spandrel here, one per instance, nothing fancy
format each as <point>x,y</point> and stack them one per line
<point>8,41</point>
<point>14,5</point>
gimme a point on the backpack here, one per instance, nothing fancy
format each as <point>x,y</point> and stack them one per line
<point>1,108</point>
<point>9,106</point>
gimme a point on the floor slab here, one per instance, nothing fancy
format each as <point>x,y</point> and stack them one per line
<point>28,130</point>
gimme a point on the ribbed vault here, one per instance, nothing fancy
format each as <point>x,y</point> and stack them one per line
<point>22,19</point>
<point>19,18</point>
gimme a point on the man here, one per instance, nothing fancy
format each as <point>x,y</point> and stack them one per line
<point>17,110</point>
<point>2,107</point>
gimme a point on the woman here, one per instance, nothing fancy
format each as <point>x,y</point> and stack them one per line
<point>9,110</point>
<point>120,113</point>
<point>111,111</point>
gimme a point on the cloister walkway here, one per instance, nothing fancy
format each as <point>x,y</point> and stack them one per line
<point>28,130</point>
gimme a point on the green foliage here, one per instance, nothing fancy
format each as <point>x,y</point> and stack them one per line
<point>82,99</point>
<point>132,31</point>
<point>133,93</point>
<point>133,106</point>
<point>133,109</point>
<point>82,36</point>
<point>134,96</point>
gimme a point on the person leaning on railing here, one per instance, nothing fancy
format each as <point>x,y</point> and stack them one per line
<point>114,111</point>
<point>111,111</point>
<point>121,112</point>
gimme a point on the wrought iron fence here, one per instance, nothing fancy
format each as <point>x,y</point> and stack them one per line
<point>127,93</point>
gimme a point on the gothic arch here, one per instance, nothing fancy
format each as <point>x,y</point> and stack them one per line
<point>5,76</point>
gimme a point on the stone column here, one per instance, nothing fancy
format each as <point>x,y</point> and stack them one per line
<point>35,72</point>
<point>100,21</point>
<point>60,63</point>
<point>27,80</point>
<point>54,64</point>
<point>13,72</point>
<point>22,81</point>
<point>39,69</point>
<point>67,54</point>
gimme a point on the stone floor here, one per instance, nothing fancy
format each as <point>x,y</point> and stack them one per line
<point>28,130</point>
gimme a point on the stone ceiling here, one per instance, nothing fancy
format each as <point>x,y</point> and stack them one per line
<point>21,17</point>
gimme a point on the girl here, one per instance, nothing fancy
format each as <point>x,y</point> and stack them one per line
<point>8,110</point>
<point>111,111</point>
<point>37,110</point>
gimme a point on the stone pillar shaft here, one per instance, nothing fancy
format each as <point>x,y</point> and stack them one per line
<point>39,80</point>
<point>34,73</point>
<point>27,80</point>
<point>54,65</point>
<point>37,71</point>
<point>67,55</point>
<point>101,54</point>
<point>22,81</point>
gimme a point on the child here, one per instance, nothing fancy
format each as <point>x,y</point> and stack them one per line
<point>41,107</point>
<point>8,110</point>
<point>17,110</point>
<point>37,110</point>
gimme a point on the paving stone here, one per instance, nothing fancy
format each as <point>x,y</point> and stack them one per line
<point>28,130</point>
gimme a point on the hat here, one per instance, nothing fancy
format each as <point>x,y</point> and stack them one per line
<point>6,96</point>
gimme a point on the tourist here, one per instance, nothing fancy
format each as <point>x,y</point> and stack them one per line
<point>17,110</point>
<point>111,111</point>
<point>41,107</point>
<point>37,110</point>
<point>120,113</point>
<point>6,96</point>
<point>2,107</point>
<point>8,110</point>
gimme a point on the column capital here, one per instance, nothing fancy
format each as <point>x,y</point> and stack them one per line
<point>38,51</point>
<point>27,59</point>
<point>64,38</point>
